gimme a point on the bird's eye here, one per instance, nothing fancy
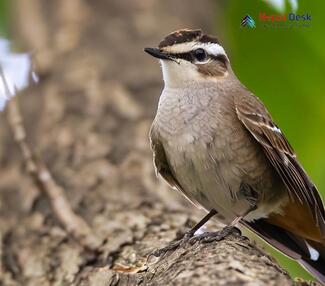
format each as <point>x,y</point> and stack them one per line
<point>200,55</point>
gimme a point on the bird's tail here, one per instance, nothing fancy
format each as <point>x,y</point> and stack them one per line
<point>317,266</point>
<point>310,254</point>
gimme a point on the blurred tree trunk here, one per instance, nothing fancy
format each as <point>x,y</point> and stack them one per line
<point>88,120</point>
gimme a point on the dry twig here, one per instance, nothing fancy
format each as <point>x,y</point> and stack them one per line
<point>42,177</point>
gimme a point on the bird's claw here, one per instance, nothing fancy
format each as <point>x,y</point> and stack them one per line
<point>173,245</point>
<point>207,237</point>
<point>190,238</point>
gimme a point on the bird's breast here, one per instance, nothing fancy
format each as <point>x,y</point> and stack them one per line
<point>210,152</point>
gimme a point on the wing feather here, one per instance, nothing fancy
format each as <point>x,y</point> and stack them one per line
<point>254,116</point>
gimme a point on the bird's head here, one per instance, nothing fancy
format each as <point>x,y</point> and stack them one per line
<point>190,55</point>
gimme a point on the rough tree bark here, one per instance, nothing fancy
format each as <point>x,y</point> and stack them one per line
<point>88,121</point>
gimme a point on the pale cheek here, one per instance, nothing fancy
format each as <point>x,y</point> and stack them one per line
<point>178,74</point>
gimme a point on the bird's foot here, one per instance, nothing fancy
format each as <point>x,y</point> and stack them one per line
<point>190,238</point>
<point>173,245</point>
<point>216,235</point>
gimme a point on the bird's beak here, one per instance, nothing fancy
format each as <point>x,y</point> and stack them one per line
<point>157,53</point>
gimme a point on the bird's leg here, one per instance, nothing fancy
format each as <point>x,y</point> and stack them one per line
<point>201,223</point>
<point>186,236</point>
<point>245,192</point>
<point>217,235</point>
<point>221,234</point>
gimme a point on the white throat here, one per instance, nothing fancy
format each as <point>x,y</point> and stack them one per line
<point>178,74</point>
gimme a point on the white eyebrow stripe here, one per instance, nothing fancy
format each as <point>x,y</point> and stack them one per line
<point>180,48</point>
<point>211,48</point>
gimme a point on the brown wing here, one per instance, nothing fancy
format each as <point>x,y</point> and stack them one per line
<point>254,116</point>
<point>161,164</point>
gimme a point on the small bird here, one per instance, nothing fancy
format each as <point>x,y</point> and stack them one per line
<point>215,142</point>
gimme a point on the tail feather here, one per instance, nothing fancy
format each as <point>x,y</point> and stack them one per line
<point>279,238</point>
<point>316,266</point>
<point>310,254</point>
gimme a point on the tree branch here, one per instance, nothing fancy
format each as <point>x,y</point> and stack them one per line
<point>61,207</point>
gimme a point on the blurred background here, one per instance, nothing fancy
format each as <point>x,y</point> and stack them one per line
<point>89,116</point>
